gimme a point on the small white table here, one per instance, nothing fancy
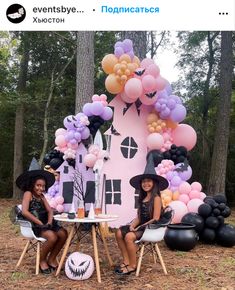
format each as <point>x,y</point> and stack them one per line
<point>77,221</point>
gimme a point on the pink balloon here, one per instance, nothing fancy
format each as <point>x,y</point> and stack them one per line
<point>160,83</point>
<point>180,209</point>
<point>194,194</point>
<point>60,131</point>
<point>60,208</point>
<point>184,135</point>
<point>126,99</point>
<point>59,199</point>
<point>53,203</point>
<point>184,198</point>
<point>155,141</point>
<point>148,101</point>
<point>149,83</point>
<point>196,186</point>
<point>90,160</point>
<point>72,146</point>
<point>194,204</point>
<point>203,195</point>
<point>153,70</point>
<point>146,62</point>
<point>60,141</point>
<point>184,188</point>
<point>95,98</point>
<point>63,149</point>
<point>133,88</point>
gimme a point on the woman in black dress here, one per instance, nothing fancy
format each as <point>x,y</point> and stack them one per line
<point>36,209</point>
<point>149,211</point>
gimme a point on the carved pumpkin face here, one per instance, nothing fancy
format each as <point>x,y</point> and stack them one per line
<point>79,266</point>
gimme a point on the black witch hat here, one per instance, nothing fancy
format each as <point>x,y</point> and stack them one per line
<point>34,171</point>
<point>149,173</point>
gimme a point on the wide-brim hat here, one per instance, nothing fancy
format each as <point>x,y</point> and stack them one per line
<point>149,173</point>
<point>34,171</point>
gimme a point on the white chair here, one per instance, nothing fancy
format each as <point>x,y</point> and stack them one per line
<point>150,239</point>
<point>33,242</point>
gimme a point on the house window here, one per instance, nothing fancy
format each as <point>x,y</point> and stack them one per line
<point>80,158</point>
<point>68,191</point>
<point>129,147</point>
<point>113,191</point>
<point>66,169</point>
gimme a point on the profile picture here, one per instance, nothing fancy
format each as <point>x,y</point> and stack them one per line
<point>16,13</point>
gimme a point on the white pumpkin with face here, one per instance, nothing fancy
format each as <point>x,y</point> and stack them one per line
<point>79,266</point>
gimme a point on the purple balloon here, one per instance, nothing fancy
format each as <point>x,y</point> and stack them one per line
<point>69,121</point>
<point>169,175</point>
<point>178,114</point>
<point>107,114</point>
<point>97,108</point>
<point>118,44</point>
<point>186,174</point>
<point>176,180</point>
<point>85,133</point>
<point>171,103</point>
<point>162,101</point>
<point>87,109</point>
<point>162,94</point>
<point>77,136</point>
<point>127,45</point>
<point>176,98</point>
<point>118,51</point>
<point>131,54</point>
<point>73,141</point>
<point>168,88</point>
<point>157,107</point>
<point>165,113</point>
<point>70,134</point>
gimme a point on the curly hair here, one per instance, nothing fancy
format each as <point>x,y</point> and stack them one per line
<point>31,182</point>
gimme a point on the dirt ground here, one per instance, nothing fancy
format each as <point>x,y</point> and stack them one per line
<point>204,267</point>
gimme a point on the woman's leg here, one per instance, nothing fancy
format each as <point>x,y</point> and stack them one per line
<point>51,239</point>
<point>131,247</point>
<point>61,239</point>
<point>122,246</point>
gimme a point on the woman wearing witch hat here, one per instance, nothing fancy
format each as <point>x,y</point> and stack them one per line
<point>36,209</point>
<point>149,186</point>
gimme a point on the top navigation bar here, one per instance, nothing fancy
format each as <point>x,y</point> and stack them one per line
<point>117,15</point>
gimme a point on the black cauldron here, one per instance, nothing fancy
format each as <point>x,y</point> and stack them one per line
<point>182,236</point>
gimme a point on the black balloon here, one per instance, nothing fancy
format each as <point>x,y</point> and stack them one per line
<point>204,210</point>
<point>176,154</point>
<point>55,163</point>
<point>226,212</point>
<point>216,211</point>
<point>47,159</point>
<point>156,155</point>
<point>208,235</point>
<point>195,219</point>
<point>220,219</point>
<point>225,235</point>
<point>212,222</point>
<point>222,206</point>
<point>220,198</point>
<point>211,202</point>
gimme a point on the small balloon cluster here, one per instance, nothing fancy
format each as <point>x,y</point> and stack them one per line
<point>94,154</point>
<point>119,66</point>
<point>53,159</point>
<point>80,126</point>
<point>209,221</point>
<point>54,199</point>
<point>178,154</point>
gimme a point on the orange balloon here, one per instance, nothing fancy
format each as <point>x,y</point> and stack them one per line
<point>125,57</point>
<point>167,200</point>
<point>167,192</point>
<point>176,195</point>
<point>151,129</point>
<point>113,85</point>
<point>136,60</point>
<point>151,118</point>
<point>171,124</point>
<point>108,63</point>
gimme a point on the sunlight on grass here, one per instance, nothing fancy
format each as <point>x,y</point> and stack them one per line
<point>180,253</point>
<point>16,276</point>
<point>228,261</point>
<point>193,273</point>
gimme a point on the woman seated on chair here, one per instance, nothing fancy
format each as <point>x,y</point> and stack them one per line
<point>36,209</point>
<point>149,211</point>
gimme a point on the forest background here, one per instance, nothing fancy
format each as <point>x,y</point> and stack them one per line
<point>45,76</point>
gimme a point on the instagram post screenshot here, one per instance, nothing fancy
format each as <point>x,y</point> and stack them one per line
<point>117,133</point>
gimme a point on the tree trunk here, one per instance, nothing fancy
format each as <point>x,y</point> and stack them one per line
<point>85,69</point>
<point>19,122</point>
<point>139,39</point>
<point>220,150</point>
